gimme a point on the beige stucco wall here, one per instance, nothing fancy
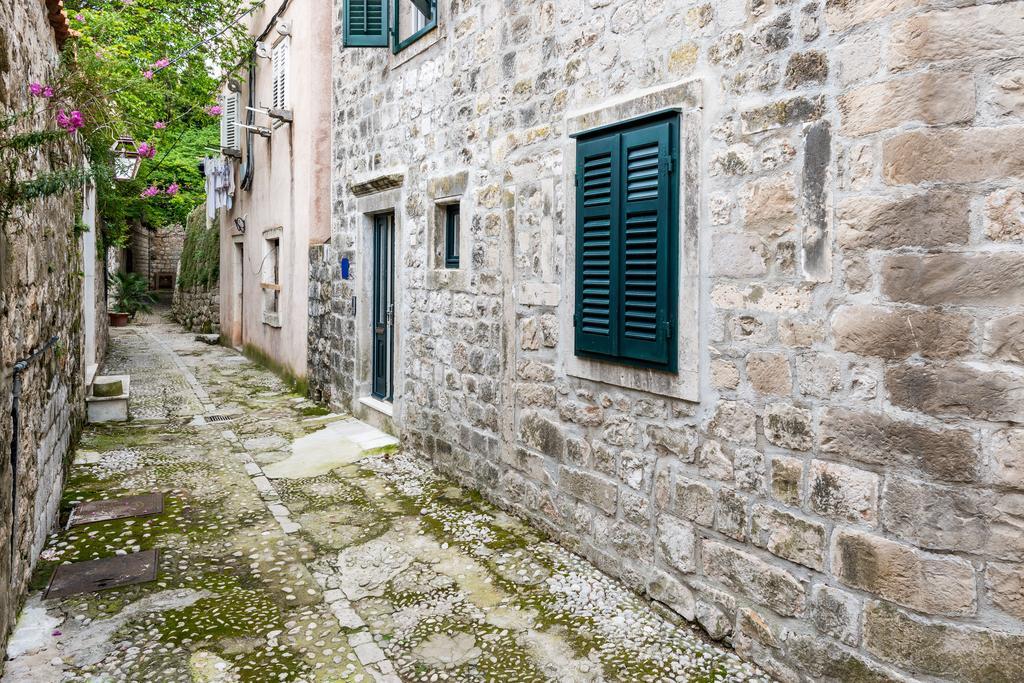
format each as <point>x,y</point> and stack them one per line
<point>290,189</point>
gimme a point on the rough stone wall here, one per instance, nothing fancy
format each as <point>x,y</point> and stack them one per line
<point>164,254</point>
<point>845,500</point>
<point>197,309</point>
<point>319,352</point>
<point>40,296</point>
<point>139,244</point>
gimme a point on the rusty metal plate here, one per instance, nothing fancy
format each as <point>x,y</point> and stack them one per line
<point>117,508</point>
<point>107,572</point>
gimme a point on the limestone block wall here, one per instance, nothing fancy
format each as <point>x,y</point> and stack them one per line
<point>320,301</point>
<point>164,254</point>
<point>40,296</point>
<point>835,484</point>
<point>197,309</point>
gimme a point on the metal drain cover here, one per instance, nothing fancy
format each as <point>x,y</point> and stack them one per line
<point>221,418</point>
<point>97,575</point>
<point>117,508</point>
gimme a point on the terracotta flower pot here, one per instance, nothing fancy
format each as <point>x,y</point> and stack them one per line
<point>118,319</point>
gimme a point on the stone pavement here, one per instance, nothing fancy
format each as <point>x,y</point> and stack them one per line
<point>302,546</point>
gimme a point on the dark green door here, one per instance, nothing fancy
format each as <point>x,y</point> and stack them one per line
<point>383,305</point>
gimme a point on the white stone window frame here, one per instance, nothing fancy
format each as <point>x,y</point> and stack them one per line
<point>442,192</point>
<point>685,383</point>
<point>267,283</point>
<point>365,407</point>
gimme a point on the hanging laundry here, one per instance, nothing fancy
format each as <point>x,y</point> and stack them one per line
<point>220,185</point>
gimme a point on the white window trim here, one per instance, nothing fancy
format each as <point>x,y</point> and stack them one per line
<point>271,318</point>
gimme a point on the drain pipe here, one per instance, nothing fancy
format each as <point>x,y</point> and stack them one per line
<point>19,368</point>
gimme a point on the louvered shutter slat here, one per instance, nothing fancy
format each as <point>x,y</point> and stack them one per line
<point>366,23</point>
<point>645,258</point>
<point>229,121</point>
<point>596,207</point>
<point>279,72</point>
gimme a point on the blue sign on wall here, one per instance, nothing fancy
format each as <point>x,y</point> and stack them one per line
<point>344,268</point>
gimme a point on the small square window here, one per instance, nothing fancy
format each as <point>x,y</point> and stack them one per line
<point>452,229</point>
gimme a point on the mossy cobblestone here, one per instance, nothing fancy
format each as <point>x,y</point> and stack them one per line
<point>390,573</point>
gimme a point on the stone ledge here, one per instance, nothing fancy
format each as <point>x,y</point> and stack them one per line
<point>377,184</point>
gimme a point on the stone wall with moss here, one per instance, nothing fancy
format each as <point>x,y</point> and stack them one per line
<point>834,480</point>
<point>196,303</point>
<point>40,297</point>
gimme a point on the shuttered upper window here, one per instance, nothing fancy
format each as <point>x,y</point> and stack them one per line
<point>229,122</point>
<point>366,23</point>
<point>627,218</point>
<point>279,73</point>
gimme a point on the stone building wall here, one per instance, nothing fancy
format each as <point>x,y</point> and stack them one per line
<point>320,297</point>
<point>40,296</point>
<point>197,309</point>
<point>155,254</point>
<point>164,254</point>
<point>833,482</point>
<point>137,251</point>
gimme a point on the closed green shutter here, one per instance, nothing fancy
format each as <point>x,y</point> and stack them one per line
<point>366,23</point>
<point>645,244</point>
<point>627,243</point>
<point>597,208</point>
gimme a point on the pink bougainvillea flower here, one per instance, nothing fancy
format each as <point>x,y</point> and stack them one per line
<point>36,88</point>
<point>148,74</point>
<point>147,151</point>
<point>159,125</point>
<point>150,191</point>
<point>79,17</point>
<point>48,91</point>
<point>70,122</point>
<point>172,189</point>
<point>214,110</point>
<point>161,63</point>
<point>100,54</point>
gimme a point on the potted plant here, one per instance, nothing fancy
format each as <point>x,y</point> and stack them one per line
<point>131,295</point>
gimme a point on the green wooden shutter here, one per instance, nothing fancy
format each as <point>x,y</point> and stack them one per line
<point>366,23</point>
<point>597,210</point>
<point>646,259</point>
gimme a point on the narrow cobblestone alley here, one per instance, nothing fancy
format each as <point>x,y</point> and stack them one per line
<point>297,545</point>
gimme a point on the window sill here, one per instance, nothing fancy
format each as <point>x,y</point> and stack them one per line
<point>384,407</point>
<point>272,319</point>
<point>681,384</point>
<point>455,279</point>
<point>413,50</point>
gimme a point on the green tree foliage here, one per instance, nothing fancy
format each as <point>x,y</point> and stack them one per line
<point>120,49</point>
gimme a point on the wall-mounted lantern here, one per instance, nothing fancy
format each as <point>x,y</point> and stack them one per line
<point>126,158</point>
